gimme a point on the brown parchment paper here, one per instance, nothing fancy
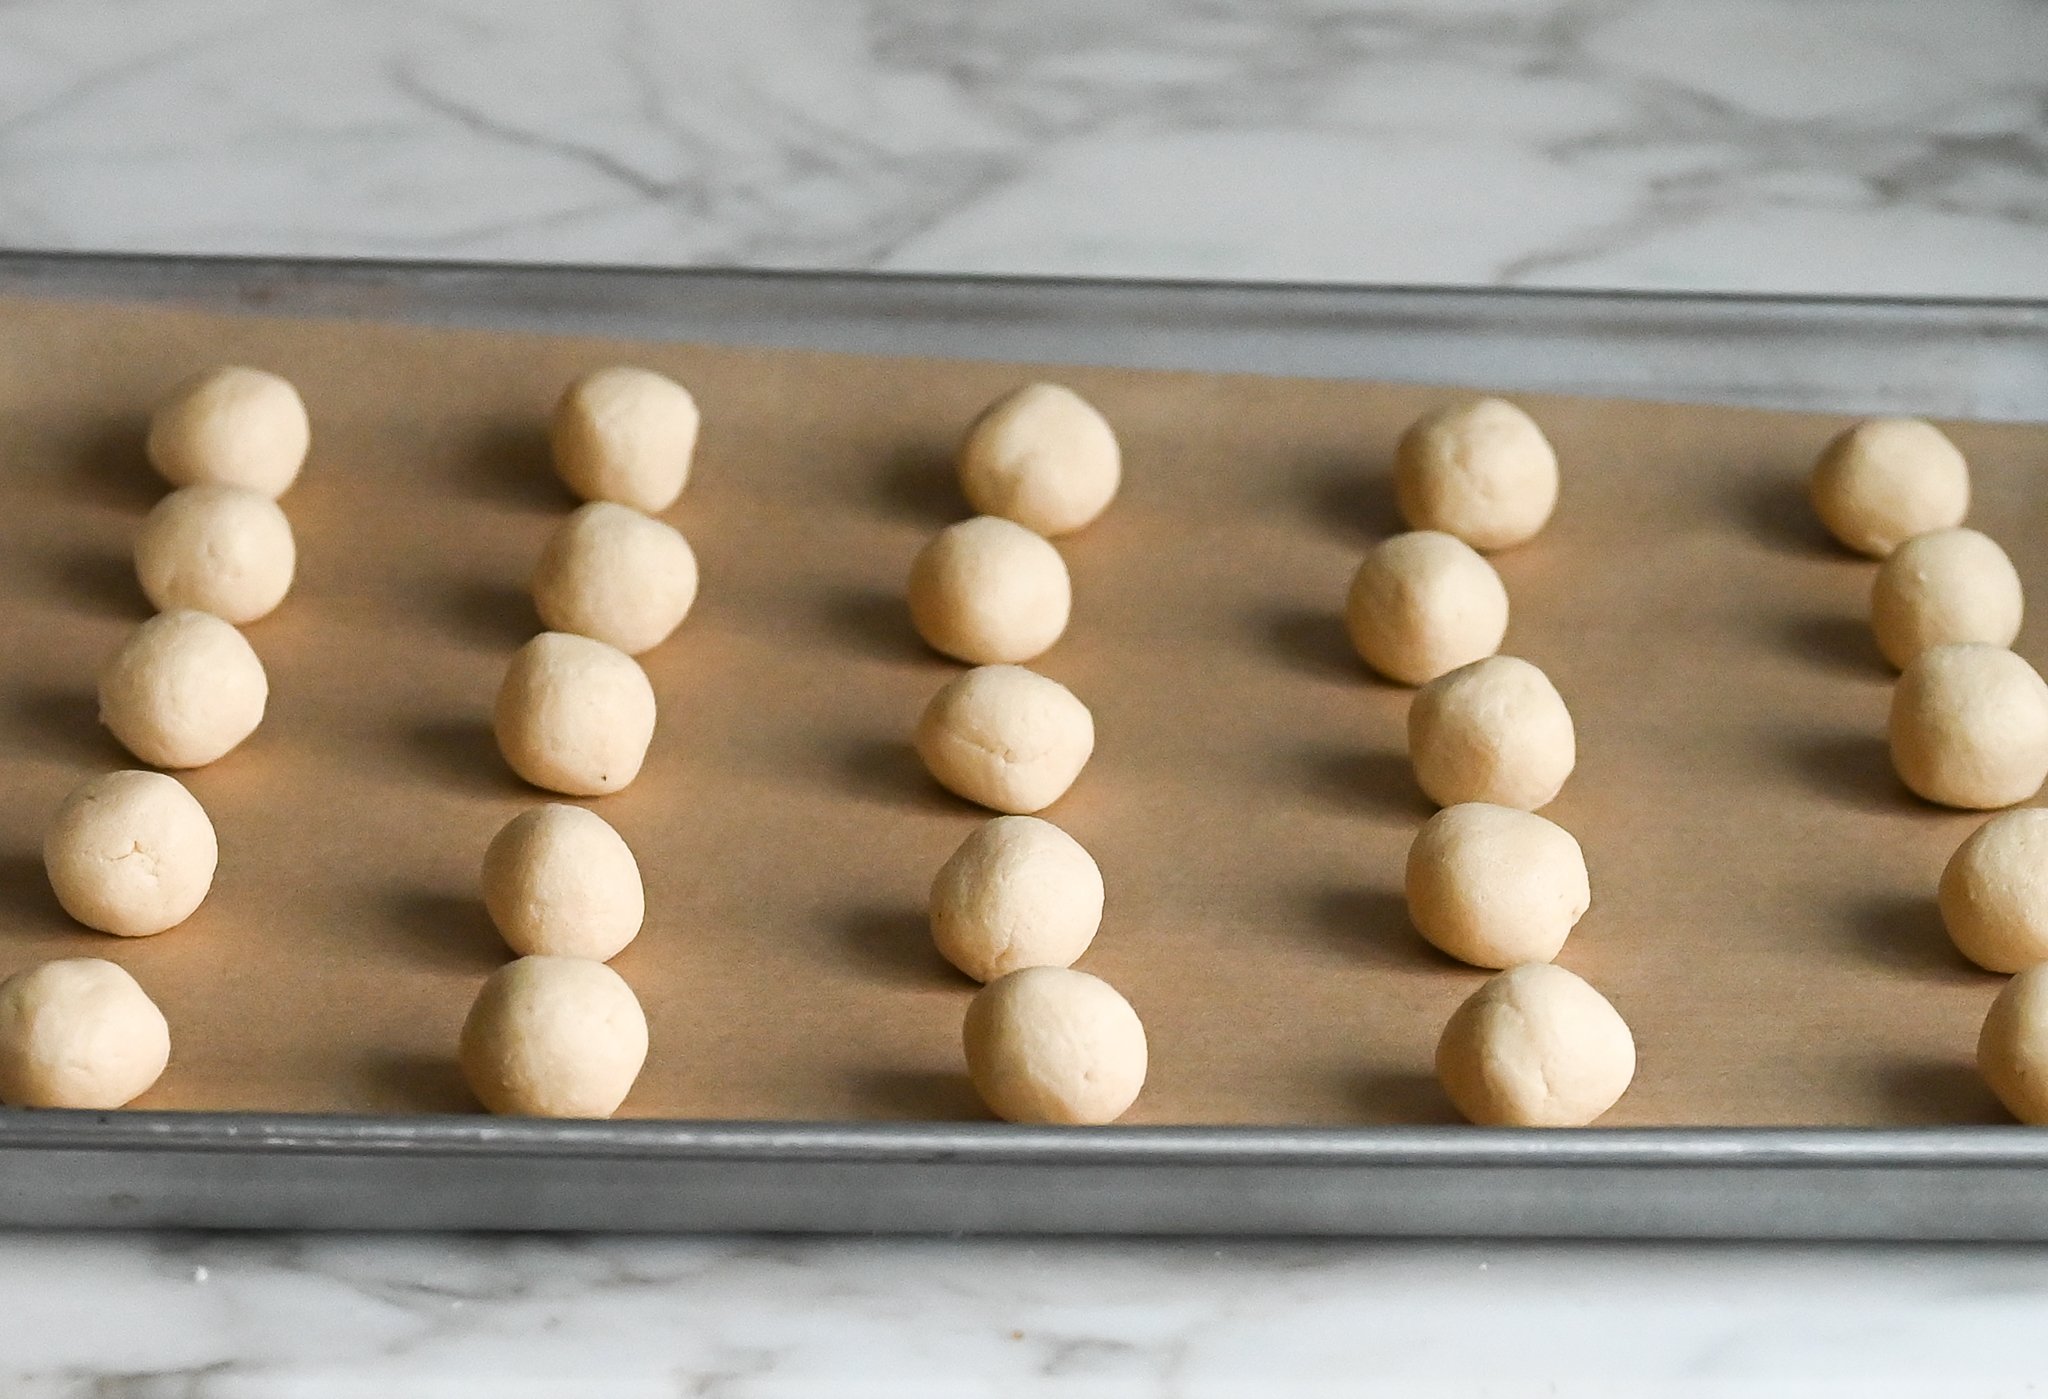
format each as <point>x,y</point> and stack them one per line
<point>1763,911</point>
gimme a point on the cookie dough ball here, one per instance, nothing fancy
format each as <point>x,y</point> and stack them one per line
<point>1051,1045</point>
<point>1944,586</point>
<point>130,853</point>
<point>1019,892</point>
<point>1042,456</point>
<point>1494,731</point>
<point>1969,726</point>
<point>1535,1047</point>
<point>232,427</point>
<point>1482,471</point>
<point>989,592</point>
<point>574,715</point>
<point>78,1033</point>
<point>184,690</point>
<point>1496,886</point>
<point>227,550</point>
<point>559,882</point>
<point>616,575</point>
<point>1994,892</point>
<point>1425,603</point>
<point>554,1037</point>
<point>1886,480</point>
<point>1006,737</point>
<point>2012,1048</point>
<point>625,435</point>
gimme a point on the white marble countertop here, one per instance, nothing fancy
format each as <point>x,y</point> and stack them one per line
<point>1865,146</point>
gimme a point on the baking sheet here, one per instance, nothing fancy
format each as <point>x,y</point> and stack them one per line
<point>1763,888</point>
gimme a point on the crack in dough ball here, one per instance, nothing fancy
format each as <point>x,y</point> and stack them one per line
<point>1482,471</point>
<point>130,853</point>
<point>1006,737</point>
<point>184,690</point>
<point>78,1032</point>
<point>1969,726</point>
<point>1053,1045</point>
<point>989,592</point>
<point>1425,603</point>
<point>574,715</point>
<point>1019,892</point>
<point>1994,892</point>
<point>1042,456</point>
<point>1494,731</point>
<point>1496,886</point>
<point>554,1037</point>
<point>625,435</point>
<point>560,882</point>
<point>1886,480</point>
<point>232,427</point>
<point>613,574</point>
<point>1943,587</point>
<point>1535,1047</point>
<point>2012,1048</point>
<point>226,550</point>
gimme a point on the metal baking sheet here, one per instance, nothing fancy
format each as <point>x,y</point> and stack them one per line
<point>1959,360</point>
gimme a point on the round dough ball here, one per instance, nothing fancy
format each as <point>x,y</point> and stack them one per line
<point>232,427</point>
<point>1053,1045</point>
<point>1019,892</point>
<point>78,1033</point>
<point>1535,1047</point>
<point>574,715</point>
<point>559,882</point>
<point>1042,456</point>
<point>184,690</point>
<point>130,853</point>
<point>1494,731</point>
<point>1994,892</point>
<point>554,1037</point>
<point>1425,603</point>
<point>612,573</point>
<point>1886,480</point>
<point>1006,737</point>
<point>2012,1048</point>
<point>1496,886</point>
<point>1969,726</point>
<point>1482,471</point>
<point>227,550</point>
<point>625,435</point>
<point>989,592</point>
<point>1944,586</point>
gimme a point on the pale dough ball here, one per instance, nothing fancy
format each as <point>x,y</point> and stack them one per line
<point>2012,1048</point>
<point>232,427</point>
<point>1019,892</point>
<point>1042,456</point>
<point>184,690</point>
<point>1482,471</point>
<point>1886,480</point>
<point>1969,726</point>
<point>574,715</point>
<point>625,435</point>
<point>1052,1045</point>
<point>612,573</point>
<point>1425,603</point>
<point>1994,892</point>
<point>1944,586</point>
<point>1496,886</point>
<point>554,1037</point>
<point>1535,1047</point>
<point>1494,731</point>
<point>1006,737</point>
<point>78,1033</point>
<point>560,882</point>
<point>989,592</point>
<point>226,550</point>
<point>130,853</point>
